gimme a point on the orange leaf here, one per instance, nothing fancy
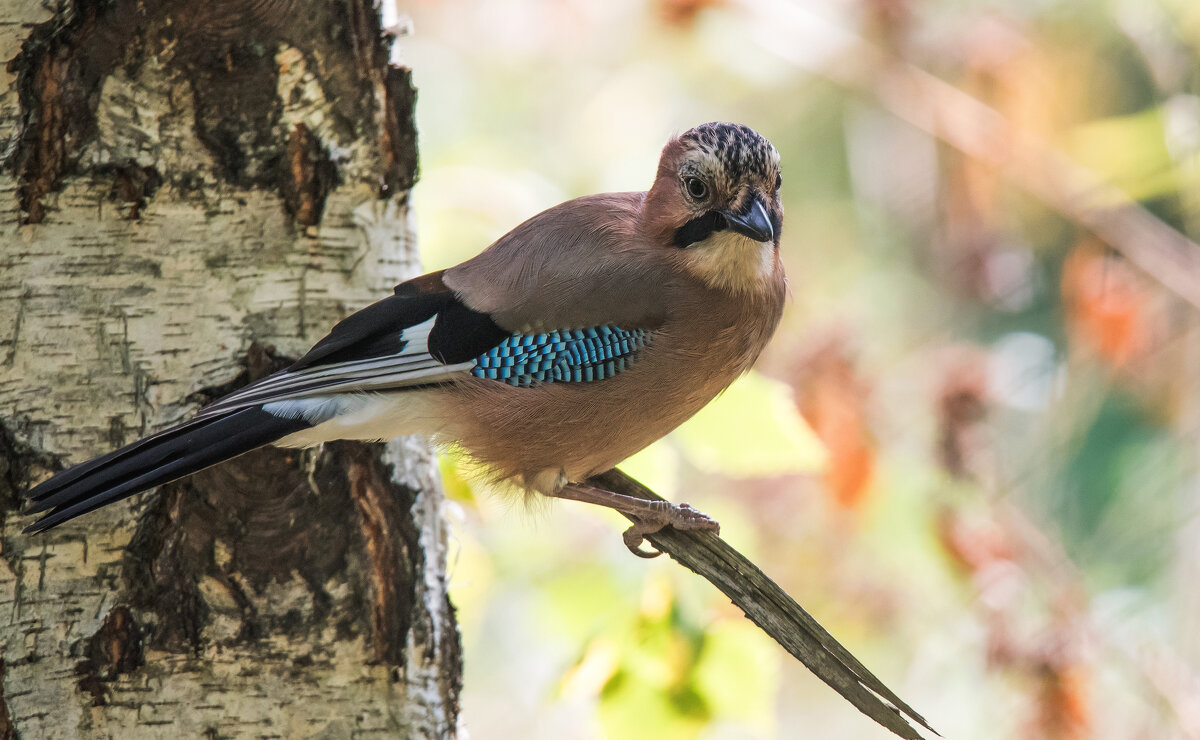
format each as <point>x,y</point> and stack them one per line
<point>832,399</point>
<point>1105,304</point>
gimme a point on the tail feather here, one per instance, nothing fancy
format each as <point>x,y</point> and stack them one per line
<point>153,461</point>
<point>97,465</point>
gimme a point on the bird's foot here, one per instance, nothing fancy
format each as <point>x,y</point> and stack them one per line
<point>649,515</point>
<point>682,517</point>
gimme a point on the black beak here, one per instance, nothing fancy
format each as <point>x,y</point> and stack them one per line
<point>754,223</point>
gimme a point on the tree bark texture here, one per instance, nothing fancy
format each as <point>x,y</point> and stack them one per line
<point>193,193</point>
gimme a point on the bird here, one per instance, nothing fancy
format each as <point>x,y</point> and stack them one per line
<point>575,340</point>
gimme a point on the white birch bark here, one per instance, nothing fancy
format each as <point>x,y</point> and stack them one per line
<point>284,594</point>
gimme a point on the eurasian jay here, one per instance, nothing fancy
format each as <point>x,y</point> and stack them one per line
<point>575,340</point>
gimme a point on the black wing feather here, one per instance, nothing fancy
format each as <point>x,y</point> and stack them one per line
<point>371,351</point>
<point>461,334</point>
<point>375,331</point>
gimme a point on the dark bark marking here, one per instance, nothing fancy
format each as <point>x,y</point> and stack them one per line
<point>307,177</point>
<point>276,520</point>
<point>395,93</point>
<point>59,71</point>
<point>219,21</point>
<point>115,649</point>
<point>7,731</point>
<point>132,186</point>
<point>250,623</point>
<point>451,675</point>
<point>392,547</point>
<point>261,506</point>
<point>20,466</point>
<point>238,110</point>
<point>15,337</point>
<point>166,559</point>
<point>399,135</point>
<point>158,579</point>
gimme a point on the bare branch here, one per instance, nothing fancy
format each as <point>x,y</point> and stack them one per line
<point>776,613</point>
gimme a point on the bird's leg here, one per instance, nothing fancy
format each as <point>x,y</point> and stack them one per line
<point>651,516</point>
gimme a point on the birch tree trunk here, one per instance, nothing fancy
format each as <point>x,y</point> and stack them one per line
<point>194,192</point>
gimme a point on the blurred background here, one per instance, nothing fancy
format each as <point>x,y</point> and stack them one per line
<point>971,449</point>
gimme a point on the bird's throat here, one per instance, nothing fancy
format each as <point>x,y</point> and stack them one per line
<point>731,261</point>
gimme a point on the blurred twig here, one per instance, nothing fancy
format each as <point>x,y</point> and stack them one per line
<point>777,614</point>
<point>982,133</point>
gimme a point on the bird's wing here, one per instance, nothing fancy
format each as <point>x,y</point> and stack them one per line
<point>426,334</point>
<point>567,296</point>
<point>580,264</point>
<point>420,336</point>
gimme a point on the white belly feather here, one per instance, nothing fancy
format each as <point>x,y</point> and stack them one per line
<point>365,416</point>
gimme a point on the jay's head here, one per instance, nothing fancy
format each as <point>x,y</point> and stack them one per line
<point>716,202</point>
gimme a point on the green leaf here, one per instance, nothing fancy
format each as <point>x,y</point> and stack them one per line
<point>631,707</point>
<point>1129,152</point>
<point>753,429</point>
<point>738,671</point>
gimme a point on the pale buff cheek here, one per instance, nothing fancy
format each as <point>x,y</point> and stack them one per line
<point>732,261</point>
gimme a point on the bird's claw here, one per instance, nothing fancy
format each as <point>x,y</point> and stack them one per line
<point>682,517</point>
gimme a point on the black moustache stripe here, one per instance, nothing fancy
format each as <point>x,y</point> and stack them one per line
<point>698,229</point>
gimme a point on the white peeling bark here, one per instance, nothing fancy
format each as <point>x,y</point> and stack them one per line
<point>139,277</point>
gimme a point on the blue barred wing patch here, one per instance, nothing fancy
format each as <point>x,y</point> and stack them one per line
<point>563,356</point>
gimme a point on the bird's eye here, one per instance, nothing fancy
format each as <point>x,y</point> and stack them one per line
<point>695,187</point>
<point>778,181</point>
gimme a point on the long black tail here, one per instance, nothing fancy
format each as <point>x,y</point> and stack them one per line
<point>153,461</point>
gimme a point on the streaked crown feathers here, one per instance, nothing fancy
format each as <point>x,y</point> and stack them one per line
<point>729,154</point>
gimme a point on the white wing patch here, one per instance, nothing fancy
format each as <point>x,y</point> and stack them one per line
<point>413,365</point>
<point>313,410</point>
